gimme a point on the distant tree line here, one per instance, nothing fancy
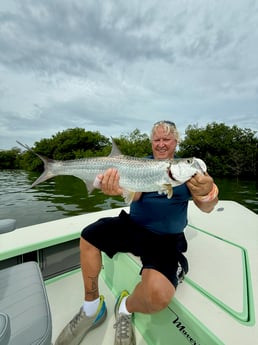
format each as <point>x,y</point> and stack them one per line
<point>227,151</point>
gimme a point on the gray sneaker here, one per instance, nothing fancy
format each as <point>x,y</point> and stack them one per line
<point>124,334</point>
<point>81,324</point>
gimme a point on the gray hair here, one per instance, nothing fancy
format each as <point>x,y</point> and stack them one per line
<point>168,126</point>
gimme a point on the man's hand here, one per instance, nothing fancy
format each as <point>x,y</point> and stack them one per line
<point>109,182</point>
<point>200,186</point>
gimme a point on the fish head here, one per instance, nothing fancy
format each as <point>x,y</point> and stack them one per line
<point>181,170</point>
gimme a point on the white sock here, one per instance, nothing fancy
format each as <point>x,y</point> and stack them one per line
<point>122,307</point>
<point>90,307</point>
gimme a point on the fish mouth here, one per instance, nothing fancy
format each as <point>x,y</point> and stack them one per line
<point>170,175</point>
<point>172,178</point>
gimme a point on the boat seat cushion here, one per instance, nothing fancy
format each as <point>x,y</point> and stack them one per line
<point>7,225</point>
<point>5,330</point>
<point>23,298</point>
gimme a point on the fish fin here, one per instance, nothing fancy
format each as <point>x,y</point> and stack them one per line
<point>89,185</point>
<point>170,192</point>
<point>96,184</point>
<point>115,150</point>
<point>47,173</point>
<point>167,189</point>
<point>128,196</point>
<point>43,158</point>
<point>25,146</point>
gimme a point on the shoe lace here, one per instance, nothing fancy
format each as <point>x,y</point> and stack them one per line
<point>76,320</point>
<point>123,326</point>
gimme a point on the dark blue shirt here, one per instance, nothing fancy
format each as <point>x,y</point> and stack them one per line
<point>162,215</point>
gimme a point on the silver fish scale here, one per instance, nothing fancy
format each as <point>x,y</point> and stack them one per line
<point>136,174</point>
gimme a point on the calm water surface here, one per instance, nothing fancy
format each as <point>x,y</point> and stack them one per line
<point>66,196</point>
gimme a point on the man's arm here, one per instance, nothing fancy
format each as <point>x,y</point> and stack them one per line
<point>204,191</point>
<point>199,185</point>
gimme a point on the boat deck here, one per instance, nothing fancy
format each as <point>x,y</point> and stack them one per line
<point>66,295</point>
<point>217,304</point>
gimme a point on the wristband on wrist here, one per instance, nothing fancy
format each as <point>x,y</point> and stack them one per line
<point>212,194</point>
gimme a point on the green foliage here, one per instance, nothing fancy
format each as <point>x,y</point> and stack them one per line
<point>70,144</point>
<point>9,159</point>
<point>134,144</point>
<point>227,151</point>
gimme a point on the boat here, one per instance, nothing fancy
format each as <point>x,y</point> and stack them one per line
<point>217,302</point>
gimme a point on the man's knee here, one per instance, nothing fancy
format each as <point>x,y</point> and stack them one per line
<point>158,298</point>
<point>159,292</point>
<point>86,246</point>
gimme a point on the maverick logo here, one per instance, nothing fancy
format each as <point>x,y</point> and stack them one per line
<point>183,330</point>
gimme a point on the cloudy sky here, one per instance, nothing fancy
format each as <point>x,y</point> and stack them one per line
<point>113,65</point>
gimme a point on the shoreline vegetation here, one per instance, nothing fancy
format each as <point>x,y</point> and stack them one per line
<point>227,151</point>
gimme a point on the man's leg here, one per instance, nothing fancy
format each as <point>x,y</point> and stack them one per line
<point>91,263</point>
<point>93,312</point>
<point>151,295</point>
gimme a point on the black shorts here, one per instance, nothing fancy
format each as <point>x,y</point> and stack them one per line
<point>162,252</point>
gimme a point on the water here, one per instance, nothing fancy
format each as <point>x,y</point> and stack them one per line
<point>244,192</point>
<point>63,196</point>
<point>66,196</point>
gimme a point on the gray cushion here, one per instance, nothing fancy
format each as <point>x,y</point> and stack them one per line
<point>5,330</point>
<point>23,297</point>
<point>7,225</point>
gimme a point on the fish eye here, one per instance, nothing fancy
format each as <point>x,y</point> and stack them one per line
<point>189,160</point>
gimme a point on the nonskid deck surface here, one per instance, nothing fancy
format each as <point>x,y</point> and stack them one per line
<point>65,298</point>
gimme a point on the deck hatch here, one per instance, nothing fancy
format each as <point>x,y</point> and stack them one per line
<point>220,261</point>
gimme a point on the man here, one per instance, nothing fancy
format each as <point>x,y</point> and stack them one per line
<point>153,231</point>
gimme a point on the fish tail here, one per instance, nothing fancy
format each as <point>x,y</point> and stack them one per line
<point>47,173</point>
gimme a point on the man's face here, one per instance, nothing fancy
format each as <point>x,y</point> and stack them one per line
<point>163,144</point>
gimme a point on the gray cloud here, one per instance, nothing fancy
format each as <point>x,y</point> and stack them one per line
<point>74,37</point>
<point>116,66</point>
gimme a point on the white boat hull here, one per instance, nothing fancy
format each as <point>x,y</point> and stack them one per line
<point>216,304</point>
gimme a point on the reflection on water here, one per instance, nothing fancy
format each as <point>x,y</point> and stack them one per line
<point>57,198</point>
<point>244,192</point>
<point>66,196</point>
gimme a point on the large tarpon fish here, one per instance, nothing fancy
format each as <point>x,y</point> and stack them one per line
<point>136,174</point>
